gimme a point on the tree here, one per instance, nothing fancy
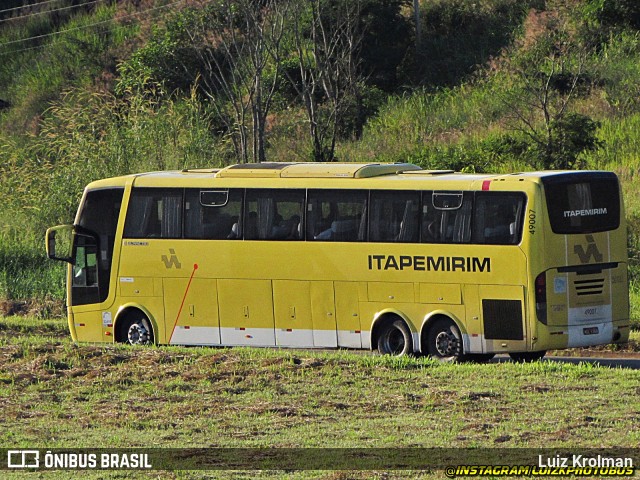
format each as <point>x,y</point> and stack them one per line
<point>387,42</point>
<point>328,77</point>
<point>236,42</point>
<point>547,79</point>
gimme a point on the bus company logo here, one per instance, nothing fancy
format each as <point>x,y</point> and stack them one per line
<point>172,260</point>
<point>23,459</point>
<point>429,264</point>
<point>585,255</point>
<point>585,213</point>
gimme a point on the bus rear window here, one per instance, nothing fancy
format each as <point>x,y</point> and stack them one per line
<point>583,202</point>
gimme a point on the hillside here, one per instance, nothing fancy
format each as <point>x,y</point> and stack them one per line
<point>90,89</point>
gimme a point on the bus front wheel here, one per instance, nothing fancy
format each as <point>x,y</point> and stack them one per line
<point>526,357</point>
<point>444,341</point>
<point>135,329</point>
<point>395,339</point>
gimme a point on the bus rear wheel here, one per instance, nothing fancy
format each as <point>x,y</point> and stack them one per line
<point>526,357</point>
<point>444,341</point>
<point>135,329</point>
<point>395,339</point>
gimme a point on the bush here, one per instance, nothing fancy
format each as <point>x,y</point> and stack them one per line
<point>572,135</point>
<point>168,61</point>
<point>600,19</point>
<point>458,36</point>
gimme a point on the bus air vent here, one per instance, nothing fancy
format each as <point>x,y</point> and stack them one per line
<point>589,287</point>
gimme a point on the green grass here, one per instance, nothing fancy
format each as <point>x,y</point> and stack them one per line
<point>56,394</point>
<point>27,274</point>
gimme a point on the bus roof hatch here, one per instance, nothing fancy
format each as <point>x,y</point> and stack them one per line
<point>314,170</point>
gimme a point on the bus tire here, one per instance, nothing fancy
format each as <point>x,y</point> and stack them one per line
<point>135,329</point>
<point>444,341</point>
<point>395,339</point>
<point>527,357</point>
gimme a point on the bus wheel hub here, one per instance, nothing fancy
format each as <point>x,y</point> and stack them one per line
<point>447,344</point>
<point>138,334</point>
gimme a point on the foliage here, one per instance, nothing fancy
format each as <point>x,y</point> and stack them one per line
<point>618,70</point>
<point>328,60</point>
<point>460,35</point>
<point>26,273</point>
<point>386,42</point>
<point>409,125</point>
<point>167,59</point>
<point>600,19</point>
<point>572,134</point>
<point>85,137</point>
<point>548,76</point>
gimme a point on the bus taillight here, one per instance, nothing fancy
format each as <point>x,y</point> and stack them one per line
<point>541,297</point>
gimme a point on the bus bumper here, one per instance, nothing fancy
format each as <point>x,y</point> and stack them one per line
<point>72,325</point>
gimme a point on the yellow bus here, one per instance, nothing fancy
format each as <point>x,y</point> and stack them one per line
<point>361,255</point>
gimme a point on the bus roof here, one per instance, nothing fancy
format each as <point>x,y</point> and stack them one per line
<point>309,170</point>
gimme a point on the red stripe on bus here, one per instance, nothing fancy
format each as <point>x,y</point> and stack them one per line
<point>184,297</point>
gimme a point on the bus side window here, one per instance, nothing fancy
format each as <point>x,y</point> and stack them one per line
<point>273,214</point>
<point>337,215</point>
<point>498,218</point>
<point>394,216</point>
<point>446,217</point>
<point>154,213</point>
<point>213,214</point>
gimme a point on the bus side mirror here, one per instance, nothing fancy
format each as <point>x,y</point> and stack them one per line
<point>59,242</point>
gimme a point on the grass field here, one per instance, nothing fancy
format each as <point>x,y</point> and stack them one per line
<point>55,394</point>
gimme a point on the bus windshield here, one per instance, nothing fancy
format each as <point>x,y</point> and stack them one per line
<point>99,217</point>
